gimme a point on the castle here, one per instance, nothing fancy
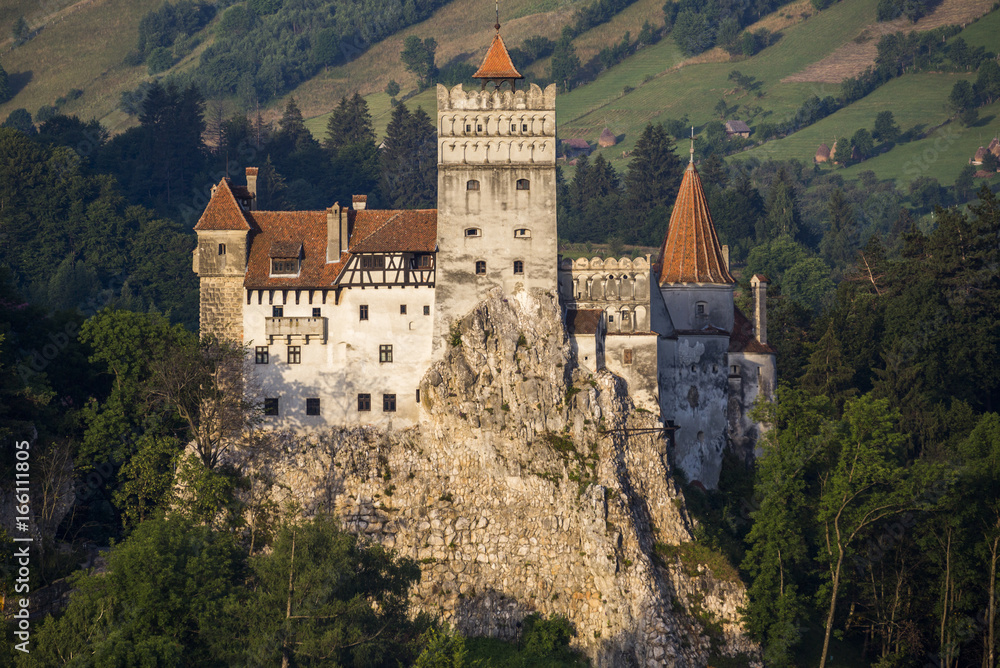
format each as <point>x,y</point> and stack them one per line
<point>344,310</point>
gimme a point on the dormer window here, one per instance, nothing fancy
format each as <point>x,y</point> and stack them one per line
<point>284,266</point>
<point>473,232</point>
<point>522,233</point>
<point>523,184</point>
<point>472,185</point>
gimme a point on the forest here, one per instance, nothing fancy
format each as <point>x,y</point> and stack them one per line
<point>870,524</point>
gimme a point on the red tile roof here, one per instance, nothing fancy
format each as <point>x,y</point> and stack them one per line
<point>284,229</point>
<point>374,231</point>
<point>742,340</point>
<point>691,251</point>
<point>222,212</point>
<point>584,320</point>
<point>404,231</point>
<point>497,63</point>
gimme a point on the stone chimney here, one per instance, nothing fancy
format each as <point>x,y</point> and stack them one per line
<point>359,202</point>
<point>252,186</point>
<point>336,232</point>
<point>759,285</point>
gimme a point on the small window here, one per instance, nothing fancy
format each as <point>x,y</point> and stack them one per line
<point>284,266</point>
<point>611,318</point>
<point>388,403</point>
<point>427,310</point>
<point>402,309</point>
<point>481,267</point>
<point>472,185</point>
<point>701,308</point>
<point>473,232</point>
<point>523,184</point>
<point>423,262</point>
<point>734,370</point>
<point>479,127</point>
<point>468,127</point>
<point>385,352</point>
<point>627,356</point>
<point>271,406</point>
<point>364,402</point>
<point>373,262</point>
<point>294,355</point>
<point>524,127</point>
<point>317,312</point>
<point>625,316</point>
<point>312,406</point>
<point>277,311</point>
<point>522,233</point>
<point>363,312</point>
<point>222,249</point>
<point>694,369</point>
<point>261,355</point>
<point>518,267</point>
<point>418,395</point>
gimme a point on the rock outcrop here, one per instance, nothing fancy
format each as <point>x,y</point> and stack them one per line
<point>530,485</point>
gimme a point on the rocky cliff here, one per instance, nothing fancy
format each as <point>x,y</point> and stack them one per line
<point>530,485</point>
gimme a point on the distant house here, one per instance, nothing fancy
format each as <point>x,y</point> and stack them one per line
<point>977,159</point>
<point>823,153</point>
<point>607,139</point>
<point>994,148</point>
<point>573,148</point>
<point>738,128</point>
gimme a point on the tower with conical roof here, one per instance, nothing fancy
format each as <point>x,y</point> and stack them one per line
<point>496,188</point>
<point>697,292</point>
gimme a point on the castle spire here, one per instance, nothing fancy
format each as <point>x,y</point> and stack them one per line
<point>692,145</point>
<point>691,252</point>
<point>497,66</point>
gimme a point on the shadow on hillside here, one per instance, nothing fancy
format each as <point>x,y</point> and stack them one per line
<point>18,80</point>
<point>984,121</point>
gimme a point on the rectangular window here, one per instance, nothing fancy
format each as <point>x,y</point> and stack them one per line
<point>418,395</point>
<point>402,309</point>
<point>388,403</point>
<point>277,311</point>
<point>317,312</point>
<point>423,262</point>
<point>518,267</point>
<point>261,355</point>
<point>312,406</point>
<point>427,310</point>
<point>373,262</point>
<point>294,355</point>
<point>627,356</point>
<point>271,406</point>
<point>363,312</point>
<point>364,402</point>
<point>385,352</point>
<point>284,266</point>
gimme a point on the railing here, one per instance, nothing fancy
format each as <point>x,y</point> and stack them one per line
<point>301,327</point>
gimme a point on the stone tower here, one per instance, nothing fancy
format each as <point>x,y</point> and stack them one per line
<point>220,260</point>
<point>496,189</point>
<point>697,290</point>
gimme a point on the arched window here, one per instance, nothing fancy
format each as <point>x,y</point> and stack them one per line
<point>522,233</point>
<point>523,184</point>
<point>481,267</point>
<point>472,184</point>
<point>518,267</point>
<point>222,249</point>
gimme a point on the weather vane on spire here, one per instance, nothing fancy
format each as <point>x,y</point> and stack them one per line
<point>692,144</point>
<point>497,26</point>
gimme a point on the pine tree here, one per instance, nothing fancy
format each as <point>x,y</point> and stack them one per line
<point>271,189</point>
<point>350,123</point>
<point>5,92</point>
<point>409,160</point>
<point>782,216</point>
<point>827,374</point>
<point>654,175</point>
<point>840,243</point>
<point>292,128</point>
<point>565,63</point>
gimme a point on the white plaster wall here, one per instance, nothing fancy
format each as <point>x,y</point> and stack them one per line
<point>681,301</point>
<point>641,374</point>
<point>348,363</point>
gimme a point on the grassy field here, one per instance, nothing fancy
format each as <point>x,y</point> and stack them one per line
<point>985,32</point>
<point>914,99</point>
<point>83,50</point>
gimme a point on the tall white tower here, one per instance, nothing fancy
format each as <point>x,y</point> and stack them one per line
<point>496,189</point>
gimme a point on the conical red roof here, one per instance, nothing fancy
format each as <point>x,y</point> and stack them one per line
<point>497,63</point>
<point>222,212</point>
<point>691,251</point>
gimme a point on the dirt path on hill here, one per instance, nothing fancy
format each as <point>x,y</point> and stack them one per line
<point>49,20</point>
<point>854,57</point>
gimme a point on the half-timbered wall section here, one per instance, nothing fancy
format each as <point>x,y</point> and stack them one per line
<point>388,269</point>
